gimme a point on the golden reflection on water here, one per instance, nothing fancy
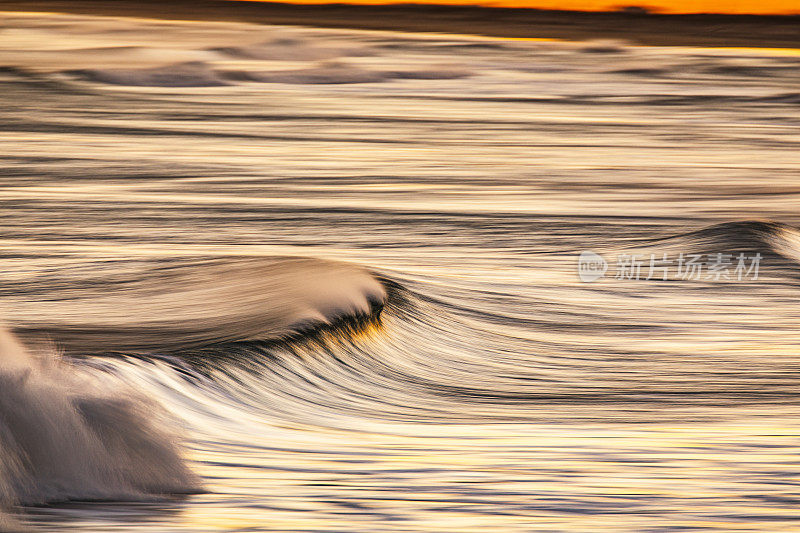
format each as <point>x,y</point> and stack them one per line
<point>651,475</point>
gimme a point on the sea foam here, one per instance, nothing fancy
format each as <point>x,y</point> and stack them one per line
<point>66,436</point>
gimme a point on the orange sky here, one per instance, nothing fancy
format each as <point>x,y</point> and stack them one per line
<point>663,6</point>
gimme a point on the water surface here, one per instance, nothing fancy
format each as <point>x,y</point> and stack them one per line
<point>342,267</point>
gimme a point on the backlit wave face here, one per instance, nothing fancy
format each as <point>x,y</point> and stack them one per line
<point>157,307</point>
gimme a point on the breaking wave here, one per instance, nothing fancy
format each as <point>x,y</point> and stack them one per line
<point>66,436</point>
<point>184,305</point>
<point>68,433</point>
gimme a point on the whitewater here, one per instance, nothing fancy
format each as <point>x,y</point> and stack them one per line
<point>265,278</point>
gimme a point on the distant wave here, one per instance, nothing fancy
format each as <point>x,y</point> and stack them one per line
<point>324,73</point>
<point>200,74</point>
<point>772,239</point>
<point>292,49</point>
<point>191,74</point>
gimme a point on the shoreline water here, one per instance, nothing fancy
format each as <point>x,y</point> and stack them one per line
<point>706,30</point>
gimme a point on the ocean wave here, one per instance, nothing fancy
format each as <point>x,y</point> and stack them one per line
<point>66,436</point>
<point>334,72</point>
<point>180,306</point>
<point>190,74</point>
<point>74,432</point>
<point>604,46</point>
<point>741,236</point>
<point>291,49</point>
<point>325,73</point>
<point>201,74</point>
<point>776,245</point>
<point>431,73</point>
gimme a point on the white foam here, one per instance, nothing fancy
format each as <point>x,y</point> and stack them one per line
<point>66,436</point>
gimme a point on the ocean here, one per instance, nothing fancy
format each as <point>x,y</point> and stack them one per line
<point>273,278</point>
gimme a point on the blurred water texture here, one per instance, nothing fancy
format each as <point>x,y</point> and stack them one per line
<point>465,174</point>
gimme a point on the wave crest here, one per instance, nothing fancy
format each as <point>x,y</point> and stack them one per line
<point>200,303</point>
<point>742,236</point>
